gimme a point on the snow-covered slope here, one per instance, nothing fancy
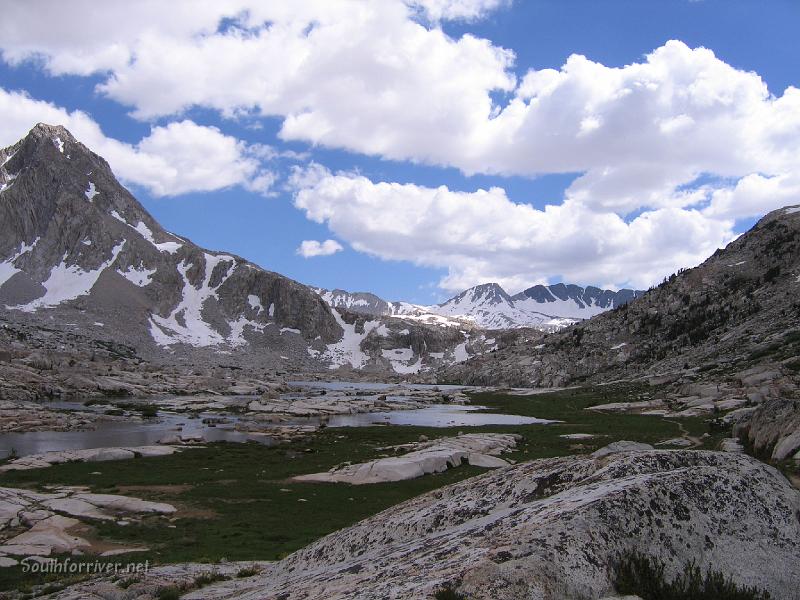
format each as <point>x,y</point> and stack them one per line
<point>488,306</point>
<point>572,301</point>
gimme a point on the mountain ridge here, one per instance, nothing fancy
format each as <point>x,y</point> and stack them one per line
<point>79,252</point>
<point>489,306</point>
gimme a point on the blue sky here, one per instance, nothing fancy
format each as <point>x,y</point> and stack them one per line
<point>267,223</point>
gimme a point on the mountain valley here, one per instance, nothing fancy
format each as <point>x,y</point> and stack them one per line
<point>588,405</point>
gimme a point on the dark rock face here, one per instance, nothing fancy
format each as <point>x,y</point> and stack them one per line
<point>78,247</point>
<point>583,297</point>
<point>739,308</point>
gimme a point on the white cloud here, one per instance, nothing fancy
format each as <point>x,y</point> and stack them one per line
<point>311,248</point>
<point>375,78</point>
<point>483,236</point>
<point>467,10</point>
<point>174,159</point>
<point>367,77</point>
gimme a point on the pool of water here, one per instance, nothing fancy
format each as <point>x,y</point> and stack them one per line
<point>435,415</point>
<point>344,386</point>
<point>149,431</point>
<point>123,433</point>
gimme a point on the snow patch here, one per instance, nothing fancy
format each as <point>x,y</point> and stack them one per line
<point>290,330</point>
<point>404,354</point>
<point>67,282</point>
<point>171,247</point>
<point>271,310</point>
<point>8,182</point>
<point>618,346</point>
<point>7,268</point>
<point>87,242</point>
<point>791,210</point>
<point>348,349</point>
<point>91,192</point>
<point>255,303</point>
<point>118,217</point>
<point>194,330</point>
<point>405,369</point>
<point>460,353</point>
<point>236,337</point>
<point>58,143</point>
<point>400,359</point>
<point>144,231</point>
<point>140,277</point>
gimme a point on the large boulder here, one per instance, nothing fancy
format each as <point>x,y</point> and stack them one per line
<point>774,428</point>
<point>551,528</point>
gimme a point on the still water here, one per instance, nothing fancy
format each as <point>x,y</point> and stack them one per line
<point>149,431</point>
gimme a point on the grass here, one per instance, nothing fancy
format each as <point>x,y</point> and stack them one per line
<point>447,592</point>
<point>237,502</point>
<point>645,577</point>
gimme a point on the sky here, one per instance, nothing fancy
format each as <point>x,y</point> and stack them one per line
<point>414,148</point>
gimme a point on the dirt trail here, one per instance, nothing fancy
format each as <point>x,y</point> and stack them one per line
<point>696,441</point>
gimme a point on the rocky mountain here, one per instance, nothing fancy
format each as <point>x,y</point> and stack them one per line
<point>739,308</point>
<point>84,266</point>
<point>77,249</point>
<point>489,306</point>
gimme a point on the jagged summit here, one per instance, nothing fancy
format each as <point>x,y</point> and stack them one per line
<point>568,300</point>
<point>485,293</point>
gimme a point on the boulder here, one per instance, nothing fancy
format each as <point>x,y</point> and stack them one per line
<point>774,426</point>
<point>550,529</point>
<point>126,504</point>
<point>52,533</point>
<point>104,454</point>
<point>619,447</point>
<point>436,456</point>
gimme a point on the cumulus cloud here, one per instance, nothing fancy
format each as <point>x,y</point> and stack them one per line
<point>311,248</point>
<point>173,159</point>
<point>483,236</point>
<point>369,78</point>
<point>382,78</point>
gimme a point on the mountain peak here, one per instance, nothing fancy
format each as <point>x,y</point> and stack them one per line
<point>491,293</point>
<point>75,241</point>
<point>59,135</point>
<point>47,129</point>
